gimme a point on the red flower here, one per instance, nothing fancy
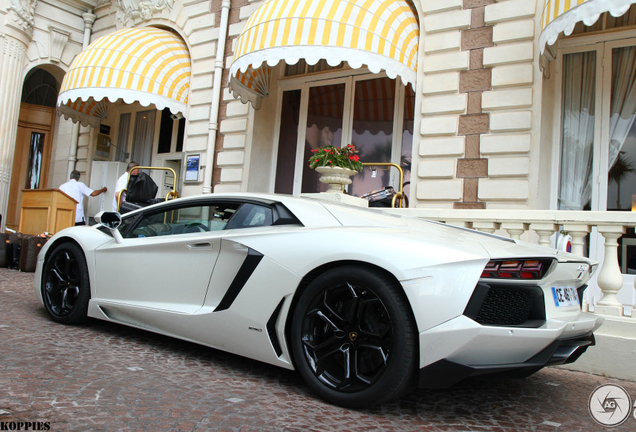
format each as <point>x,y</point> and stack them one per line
<point>336,156</point>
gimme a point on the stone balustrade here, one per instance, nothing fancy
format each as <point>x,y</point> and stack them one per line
<point>540,226</point>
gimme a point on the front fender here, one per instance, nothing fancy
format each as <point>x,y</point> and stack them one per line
<point>88,238</point>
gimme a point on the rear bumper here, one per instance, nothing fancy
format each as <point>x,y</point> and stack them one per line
<point>445,373</point>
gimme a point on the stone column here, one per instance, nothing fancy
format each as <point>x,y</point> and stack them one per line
<point>610,279</point>
<point>16,31</point>
<point>474,123</point>
<point>486,226</point>
<point>515,229</point>
<point>544,230</point>
<point>578,233</point>
<point>12,58</point>
<point>89,19</point>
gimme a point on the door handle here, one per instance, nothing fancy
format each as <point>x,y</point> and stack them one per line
<point>201,245</point>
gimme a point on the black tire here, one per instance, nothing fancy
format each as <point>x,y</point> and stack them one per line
<point>65,284</point>
<point>353,338</point>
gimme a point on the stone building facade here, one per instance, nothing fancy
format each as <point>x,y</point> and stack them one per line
<point>480,126</point>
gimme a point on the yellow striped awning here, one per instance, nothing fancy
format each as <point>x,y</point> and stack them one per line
<point>378,34</point>
<point>146,65</point>
<point>562,15</point>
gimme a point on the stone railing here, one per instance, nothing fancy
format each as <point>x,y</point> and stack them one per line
<point>539,226</point>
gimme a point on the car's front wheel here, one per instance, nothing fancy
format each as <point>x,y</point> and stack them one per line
<point>65,284</point>
<point>353,337</point>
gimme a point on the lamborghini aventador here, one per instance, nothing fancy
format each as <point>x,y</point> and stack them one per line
<point>365,305</point>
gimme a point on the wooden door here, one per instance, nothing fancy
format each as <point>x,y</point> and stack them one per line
<point>31,157</point>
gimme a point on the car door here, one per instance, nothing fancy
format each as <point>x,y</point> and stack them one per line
<point>166,257</point>
<point>236,262</point>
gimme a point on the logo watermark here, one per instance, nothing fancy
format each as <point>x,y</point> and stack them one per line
<point>610,405</point>
<point>24,426</point>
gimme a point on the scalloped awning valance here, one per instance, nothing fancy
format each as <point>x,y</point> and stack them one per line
<point>146,65</point>
<point>562,15</point>
<point>378,34</point>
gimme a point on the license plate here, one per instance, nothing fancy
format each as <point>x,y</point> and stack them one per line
<point>565,296</point>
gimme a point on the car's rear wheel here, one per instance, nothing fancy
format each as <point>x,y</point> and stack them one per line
<point>353,337</point>
<point>65,284</point>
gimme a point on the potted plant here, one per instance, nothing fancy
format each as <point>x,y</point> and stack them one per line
<point>336,165</point>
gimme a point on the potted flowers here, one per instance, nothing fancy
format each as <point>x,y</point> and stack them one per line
<point>336,164</point>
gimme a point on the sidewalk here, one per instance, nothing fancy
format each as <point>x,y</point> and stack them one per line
<point>105,377</point>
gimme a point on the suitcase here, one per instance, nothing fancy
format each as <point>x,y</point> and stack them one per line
<point>29,249</point>
<point>127,206</point>
<point>381,197</point>
<point>4,249</point>
<point>13,250</point>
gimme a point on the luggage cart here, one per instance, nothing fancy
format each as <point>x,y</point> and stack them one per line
<point>399,198</point>
<point>173,194</point>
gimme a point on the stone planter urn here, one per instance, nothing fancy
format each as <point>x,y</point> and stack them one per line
<point>336,177</point>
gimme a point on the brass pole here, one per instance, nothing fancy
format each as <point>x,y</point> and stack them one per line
<point>173,193</point>
<point>399,195</point>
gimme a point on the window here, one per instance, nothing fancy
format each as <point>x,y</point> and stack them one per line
<point>40,88</point>
<point>373,113</point>
<point>184,220</point>
<point>197,218</point>
<point>36,150</point>
<point>598,135</point>
<point>144,135</point>
<point>165,131</point>
<point>597,156</point>
<point>323,127</point>
<point>251,215</point>
<point>577,137</point>
<point>170,134</point>
<point>122,138</point>
<point>622,133</point>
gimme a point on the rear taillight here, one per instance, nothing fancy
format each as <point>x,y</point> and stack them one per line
<point>516,269</point>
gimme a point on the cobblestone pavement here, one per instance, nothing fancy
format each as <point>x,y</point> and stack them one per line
<point>106,377</point>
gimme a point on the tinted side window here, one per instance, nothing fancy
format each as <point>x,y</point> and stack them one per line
<point>184,220</point>
<point>251,215</point>
<point>127,222</point>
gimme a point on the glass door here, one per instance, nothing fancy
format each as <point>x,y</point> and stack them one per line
<point>619,139</point>
<point>31,157</point>
<point>369,111</point>
<point>324,126</point>
<point>598,135</point>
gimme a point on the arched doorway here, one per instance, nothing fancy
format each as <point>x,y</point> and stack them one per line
<point>33,141</point>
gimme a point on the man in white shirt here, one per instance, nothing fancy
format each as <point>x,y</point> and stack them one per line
<point>122,183</point>
<point>78,190</point>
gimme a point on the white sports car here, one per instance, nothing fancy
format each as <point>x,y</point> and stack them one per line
<point>364,304</point>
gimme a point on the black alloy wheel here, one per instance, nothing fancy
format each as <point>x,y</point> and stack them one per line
<point>353,338</point>
<point>65,284</point>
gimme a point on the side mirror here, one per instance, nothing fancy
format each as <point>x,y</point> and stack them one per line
<point>110,220</point>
